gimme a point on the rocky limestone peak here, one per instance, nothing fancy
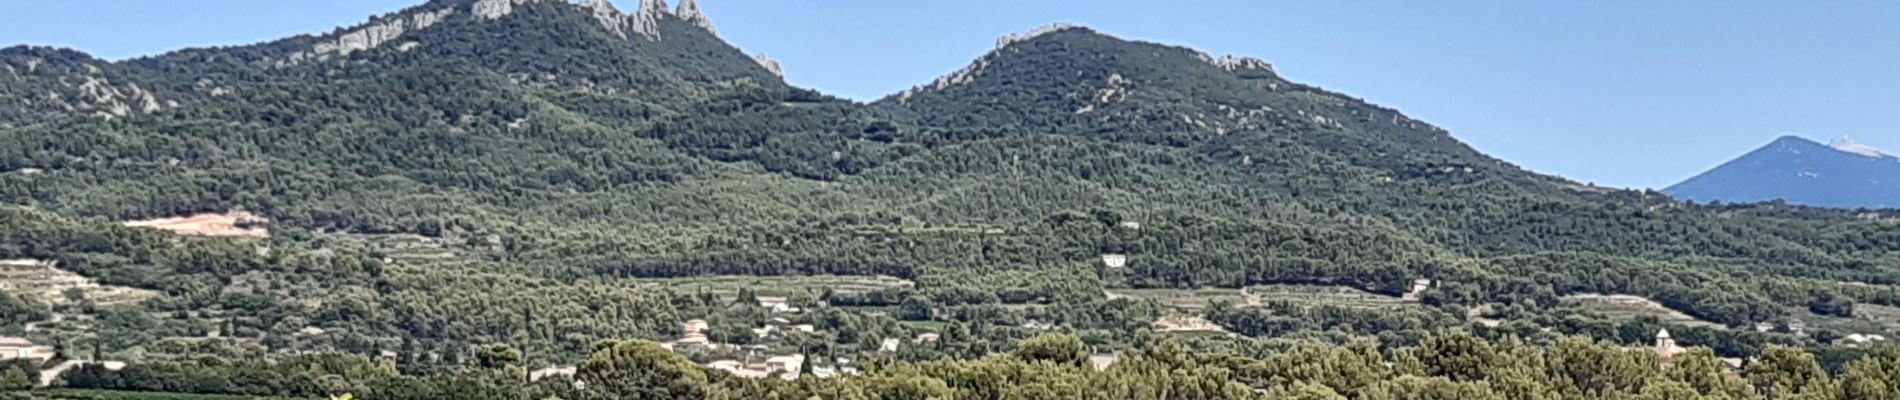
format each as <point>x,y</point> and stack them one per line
<point>646,20</point>
<point>380,31</point>
<point>689,11</point>
<point>492,9</point>
<point>609,17</point>
<point>1234,63</point>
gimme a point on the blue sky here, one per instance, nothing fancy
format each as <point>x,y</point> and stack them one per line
<point>1621,93</point>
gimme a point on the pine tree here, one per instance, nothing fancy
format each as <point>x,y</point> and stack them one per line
<point>15,379</point>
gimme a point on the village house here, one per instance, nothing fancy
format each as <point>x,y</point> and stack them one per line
<point>552,371</point>
<point>789,364</point>
<point>927,337</point>
<point>889,345</point>
<point>777,304</point>
<point>1102,361</point>
<point>20,348</point>
<point>1114,260</point>
<point>1418,287</point>
<point>693,339</point>
<point>695,326</point>
<point>1860,340</point>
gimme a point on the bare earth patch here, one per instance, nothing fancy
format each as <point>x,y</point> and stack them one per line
<point>1176,323</point>
<point>208,224</point>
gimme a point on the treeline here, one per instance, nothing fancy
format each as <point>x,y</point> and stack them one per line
<point>1448,365</point>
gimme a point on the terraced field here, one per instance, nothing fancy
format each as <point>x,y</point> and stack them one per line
<point>1622,307</point>
<point>59,287</point>
<point>1196,299</point>
<point>727,286</point>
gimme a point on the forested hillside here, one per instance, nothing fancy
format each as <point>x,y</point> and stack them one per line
<point>543,175</point>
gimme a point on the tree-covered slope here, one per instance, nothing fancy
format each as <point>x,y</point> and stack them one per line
<point>560,154</point>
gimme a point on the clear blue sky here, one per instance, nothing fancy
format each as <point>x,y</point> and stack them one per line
<point>1622,93</point>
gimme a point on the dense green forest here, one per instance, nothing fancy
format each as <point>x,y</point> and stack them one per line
<point>557,177</point>
<point>1446,366</point>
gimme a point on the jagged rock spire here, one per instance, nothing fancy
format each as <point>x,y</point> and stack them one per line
<point>689,12</point>
<point>608,16</point>
<point>646,20</point>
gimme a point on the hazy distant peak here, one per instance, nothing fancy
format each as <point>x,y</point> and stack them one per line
<point>1801,171</point>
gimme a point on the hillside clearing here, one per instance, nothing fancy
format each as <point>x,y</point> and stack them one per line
<point>1623,307</point>
<point>228,224</point>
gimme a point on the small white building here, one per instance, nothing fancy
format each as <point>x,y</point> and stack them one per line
<point>1114,260</point>
<point>1418,287</point>
<point>1860,340</point>
<point>552,371</point>
<point>889,345</point>
<point>777,304</point>
<point>927,337</point>
<point>789,364</point>
<point>16,348</point>
<point>695,326</point>
<point>693,339</point>
<point>1102,361</point>
<point>804,328</point>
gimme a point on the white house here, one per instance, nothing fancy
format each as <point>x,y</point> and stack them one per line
<point>1858,340</point>
<point>1114,260</point>
<point>552,371</point>
<point>777,304</point>
<point>790,364</point>
<point>695,326</point>
<point>889,345</point>
<point>12,347</point>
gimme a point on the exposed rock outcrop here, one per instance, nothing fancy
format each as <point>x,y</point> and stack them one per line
<point>1233,63</point>
<point>769,64</point>
<point>646,20</point>
<point>378,32</point>
<point>1009,39</point>
<point>609,17</point>
<point>689,12</point>
<point>492,9</point>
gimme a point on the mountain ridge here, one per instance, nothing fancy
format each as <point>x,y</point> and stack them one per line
<point>1801,171</point>
<point>544,146</point>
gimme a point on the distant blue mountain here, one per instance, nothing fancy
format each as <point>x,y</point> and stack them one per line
<point>1842,174</point>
